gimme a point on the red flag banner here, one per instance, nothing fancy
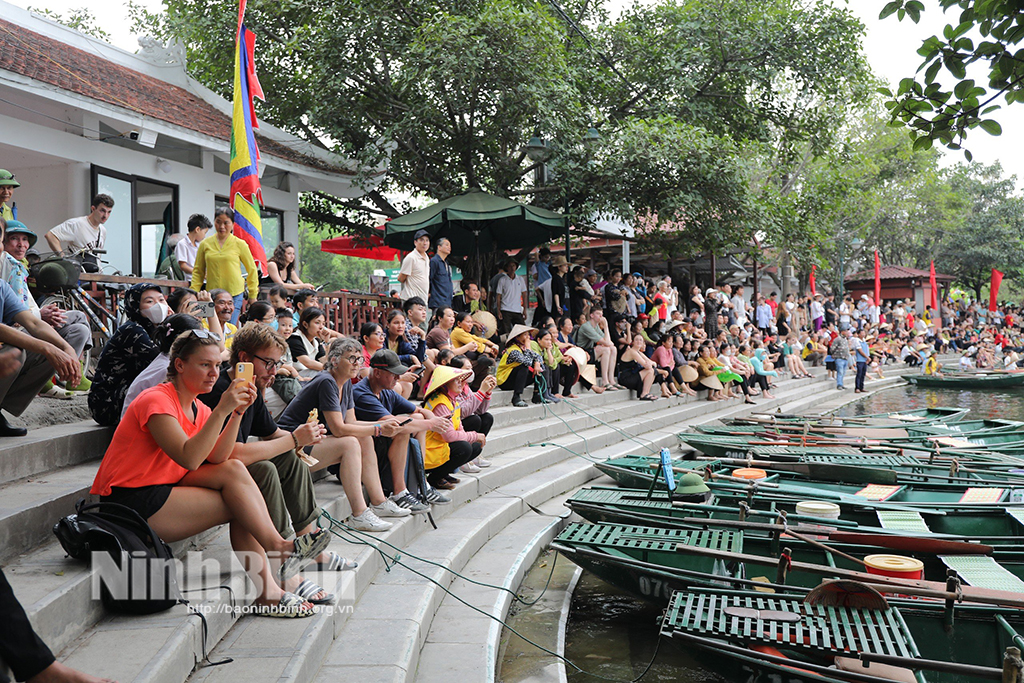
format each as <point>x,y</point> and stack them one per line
<point>934,287</point>
<point>878,280</point>
<point>993,293</point>
<point>812,281</point>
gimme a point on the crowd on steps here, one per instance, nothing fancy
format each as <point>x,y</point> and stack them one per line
<point>227,396</point>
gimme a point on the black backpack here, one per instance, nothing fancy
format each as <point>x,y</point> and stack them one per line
<point>144,580</point>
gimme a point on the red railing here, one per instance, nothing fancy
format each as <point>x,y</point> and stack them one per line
<point>347,311</point>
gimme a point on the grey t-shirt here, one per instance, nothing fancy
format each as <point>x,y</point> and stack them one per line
<point>322,393</point>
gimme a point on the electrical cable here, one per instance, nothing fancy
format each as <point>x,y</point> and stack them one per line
<point>333,523</point>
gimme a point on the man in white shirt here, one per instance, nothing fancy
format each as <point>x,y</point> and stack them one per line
<point>83,232</point>
<point>186,251</point>
<point>511,294</point>
<point>740,306</point>
<point>415,272</point>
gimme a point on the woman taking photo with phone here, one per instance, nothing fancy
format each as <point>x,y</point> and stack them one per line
<point>169,460</point>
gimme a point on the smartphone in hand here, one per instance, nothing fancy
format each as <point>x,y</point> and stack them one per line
<point>244,371</point>
<point>203,309</point>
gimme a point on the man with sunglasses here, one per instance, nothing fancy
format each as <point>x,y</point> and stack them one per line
<point>273,461</point>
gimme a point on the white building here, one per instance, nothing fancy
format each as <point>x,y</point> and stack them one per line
<point>79,116</point>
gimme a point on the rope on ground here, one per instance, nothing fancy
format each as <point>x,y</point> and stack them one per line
<point>397,561</point>
<point>541,383</point>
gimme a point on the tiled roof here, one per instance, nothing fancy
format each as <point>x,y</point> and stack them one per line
<point>896,273</point>
<point>50,61</point>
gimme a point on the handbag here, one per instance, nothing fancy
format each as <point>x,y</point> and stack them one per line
<point>136,569</point>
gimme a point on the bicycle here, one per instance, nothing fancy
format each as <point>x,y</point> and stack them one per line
<point>57,279</point>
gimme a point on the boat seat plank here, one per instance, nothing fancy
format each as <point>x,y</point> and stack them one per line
<point>861,458</point>
<point>982,495</point>
<point>650,539</point>
<point>879,492</point>
<point>983,571</point>
<point>1017,514</point>
<point>840,630</point>
<point>902,520</point>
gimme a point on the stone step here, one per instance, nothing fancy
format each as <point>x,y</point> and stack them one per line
<point>50,448</point>
<point>60,604</point>
<point>462,643</point>
<point>382,644</point>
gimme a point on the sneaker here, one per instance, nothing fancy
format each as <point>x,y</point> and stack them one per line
<point>368,522</point>
<point>408,502</point>
<point>435,497</point>
<point>469,468</point>
<point>389,508</point>
<point>480,462</point>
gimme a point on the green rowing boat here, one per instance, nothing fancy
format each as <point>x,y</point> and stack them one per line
<point>652,562</point>
<point>993,525</point>
<point>811,638</point>
<point>1000,380</point>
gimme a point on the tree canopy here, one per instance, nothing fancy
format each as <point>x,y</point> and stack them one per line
<point>983,35</point>
<point>720,101</point>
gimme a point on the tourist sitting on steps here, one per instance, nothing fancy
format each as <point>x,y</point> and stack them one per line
<point>348,446</point>
<point>170,460</point>
<point>273,461</point>
<point>376,400</point>
<point>475,417</point>
<point>128,352</point>
<point>518,364</point>
<point>451,446</point>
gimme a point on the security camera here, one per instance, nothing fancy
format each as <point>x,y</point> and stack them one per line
<point>133,135</point>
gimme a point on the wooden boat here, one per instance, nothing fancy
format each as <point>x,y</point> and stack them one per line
<point>916,417</point>
<point>992,525</point>
<point>652,562</point>
<point>884,482</point>
<point>974,380</point>
<point>793,636</point>
<point>913,430</point>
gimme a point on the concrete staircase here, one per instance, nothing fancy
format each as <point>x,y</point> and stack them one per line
<point>391,623</point>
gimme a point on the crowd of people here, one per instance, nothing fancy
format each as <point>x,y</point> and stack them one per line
<point>397,410</point>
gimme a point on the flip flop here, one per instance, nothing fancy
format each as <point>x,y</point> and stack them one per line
<point>307,547</point>
<point>335,563</point>
<point>307,589</point>
<point>290,606</point>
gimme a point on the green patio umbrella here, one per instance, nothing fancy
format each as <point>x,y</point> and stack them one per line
<point>477,222</point>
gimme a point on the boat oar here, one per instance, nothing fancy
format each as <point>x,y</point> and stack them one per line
<point>912,544</point>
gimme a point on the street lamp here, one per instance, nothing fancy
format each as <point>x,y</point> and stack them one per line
<point>539,152</point>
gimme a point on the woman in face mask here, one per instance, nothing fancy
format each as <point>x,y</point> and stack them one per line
<point>128,352</point>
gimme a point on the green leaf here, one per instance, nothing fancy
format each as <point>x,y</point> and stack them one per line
<point>968,155</point>
<point>991,127</point>
<point>889,9</point>
<point>922,143</point>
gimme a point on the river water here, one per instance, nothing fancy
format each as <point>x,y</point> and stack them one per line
<point>614,635</point>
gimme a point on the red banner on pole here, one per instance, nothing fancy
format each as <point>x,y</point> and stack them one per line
<point>878,280</point>
<point>812,281</point>
<point>934,286</point>
<point>993,293</point>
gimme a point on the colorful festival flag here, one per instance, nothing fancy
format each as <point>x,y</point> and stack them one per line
<point>878,280</point>
<point>933,285</point>
<point>812,281</point>
<point>993,292</point>
<point>245,154</point>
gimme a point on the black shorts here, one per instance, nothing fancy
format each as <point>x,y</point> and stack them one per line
<point>830,365</point>
<point>146,500</point>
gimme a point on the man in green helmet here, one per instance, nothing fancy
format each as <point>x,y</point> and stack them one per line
<point>7,185</point>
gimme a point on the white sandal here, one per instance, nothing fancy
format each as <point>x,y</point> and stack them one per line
<point>290,606</point>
